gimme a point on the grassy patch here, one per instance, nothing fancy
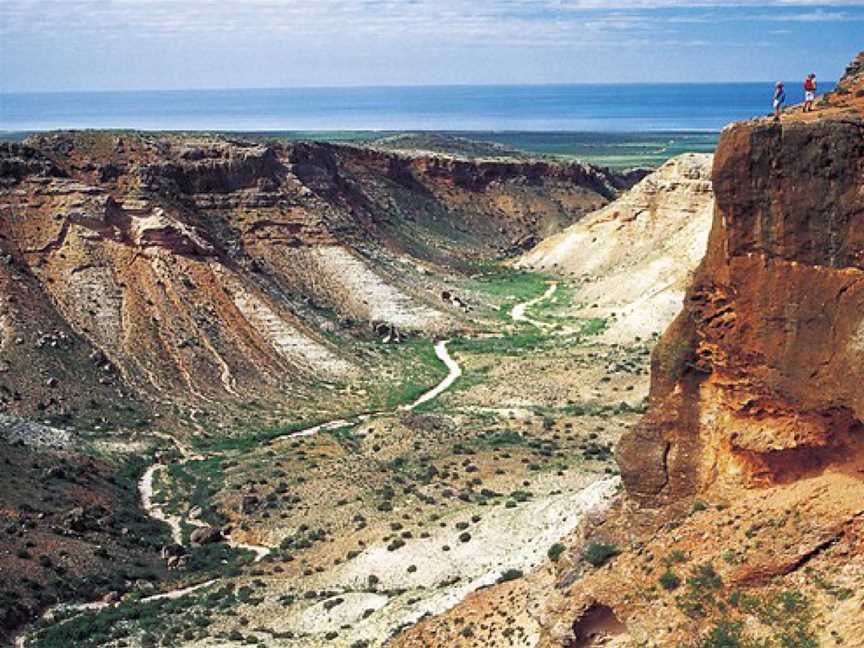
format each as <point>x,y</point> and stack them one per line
<point>253,440</point>
<point>528,340</point>
<point>420,371</point>
<point>503,439</point>
<point>195,483</point>
<point>593,326</point>
<point>511,285</point>
<point>549,310</point>
<point>347,437</point>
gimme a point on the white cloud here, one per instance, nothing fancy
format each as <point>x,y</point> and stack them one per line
<point>449,18</point>
<point>579,25</point>
<point>51,44</point>
<point>813,16</point>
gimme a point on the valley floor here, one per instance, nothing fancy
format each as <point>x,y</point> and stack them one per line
<point>346,532</point>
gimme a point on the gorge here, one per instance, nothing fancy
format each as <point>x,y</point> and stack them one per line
<point>419,399</point>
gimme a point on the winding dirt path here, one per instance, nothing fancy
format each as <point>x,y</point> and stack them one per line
<point>454,371</point>
<point>155,511</point>
<point>145,488</point>
<point>519,310</point>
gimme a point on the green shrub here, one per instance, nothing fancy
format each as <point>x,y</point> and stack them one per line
<point>724,634</point>
<point>675,557</point>
<point>704,577</point>
<point>555,551</point>
<point>594,326</point>
<point>509,575</point>
<point>669,581</point>
<point>395,544</point>
<point>702,585</point>
<point>598,553</point>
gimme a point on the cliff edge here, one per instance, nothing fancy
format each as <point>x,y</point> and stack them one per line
<point>743,520</point>
<point>757,381</point>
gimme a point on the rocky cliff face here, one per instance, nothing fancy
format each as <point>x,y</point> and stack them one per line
<point>756,382</point>
<point>203,270</point>
<point>743,521</point>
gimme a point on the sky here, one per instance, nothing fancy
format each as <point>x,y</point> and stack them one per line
<point>62,45</point>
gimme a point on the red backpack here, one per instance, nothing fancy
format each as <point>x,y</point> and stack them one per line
<point>809,84</point>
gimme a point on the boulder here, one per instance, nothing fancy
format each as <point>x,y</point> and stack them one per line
<point>249,503</point>
<point>172,551</point>
<point>54,472</point>
<point>205,535</point>
<point>76,520</point>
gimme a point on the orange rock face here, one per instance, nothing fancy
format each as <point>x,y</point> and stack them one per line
<point>758,381</point>
<point>745,479</point>
<point>743,518</point>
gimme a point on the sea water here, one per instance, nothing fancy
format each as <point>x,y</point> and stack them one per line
<point>526,108</point>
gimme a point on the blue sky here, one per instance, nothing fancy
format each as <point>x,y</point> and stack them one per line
<point>133,44</point>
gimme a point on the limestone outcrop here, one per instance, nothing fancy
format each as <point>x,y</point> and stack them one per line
<point>635,256</point>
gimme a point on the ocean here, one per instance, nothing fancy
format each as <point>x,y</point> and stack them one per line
<point>608,108</point>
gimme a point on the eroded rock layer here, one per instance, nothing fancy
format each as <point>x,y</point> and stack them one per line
<point>742,518</point>
<point>635,255</point>
<point>758,379</point>
<point>199,270</point>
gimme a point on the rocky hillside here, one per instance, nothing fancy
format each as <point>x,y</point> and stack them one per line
<point>755,382</point>
<point>748,467</point>
<point>742,519</point>
<point>144,270</point>
<point>635,256</point>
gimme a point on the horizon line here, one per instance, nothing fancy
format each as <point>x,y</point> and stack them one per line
<point>4,92</point>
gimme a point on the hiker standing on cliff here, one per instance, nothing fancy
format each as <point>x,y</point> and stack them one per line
<point>779,99</point>
<point>809,92</point>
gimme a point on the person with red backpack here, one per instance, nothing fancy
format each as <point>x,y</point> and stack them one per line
<point>809,92</point>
